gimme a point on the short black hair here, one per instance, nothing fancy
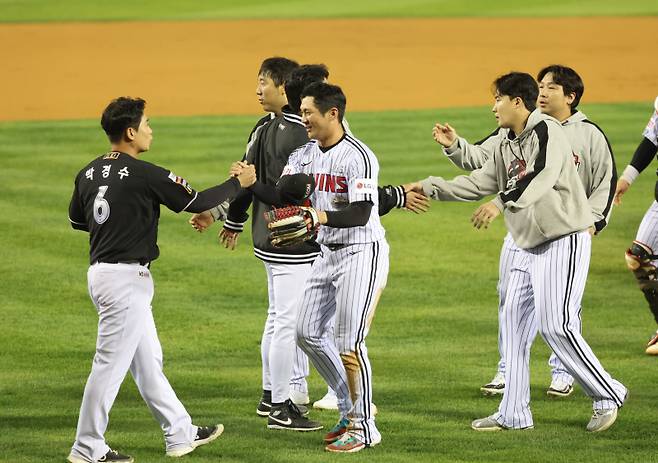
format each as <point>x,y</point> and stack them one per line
<point>518,84</point>
<point>326,96</point>
<point>304,75</point>
<point>121,113</point>
<point>568,79</point>
<point>278,69</point>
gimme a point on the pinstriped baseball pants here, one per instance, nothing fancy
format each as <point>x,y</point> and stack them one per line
<point>509,255</point>
<point>545,290</point>
<point>345,285</point>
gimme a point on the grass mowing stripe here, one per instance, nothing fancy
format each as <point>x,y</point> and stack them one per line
<point>433,342</point>
<point>124,10</point>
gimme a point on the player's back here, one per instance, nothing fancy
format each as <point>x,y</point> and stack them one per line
<point>120,210</point>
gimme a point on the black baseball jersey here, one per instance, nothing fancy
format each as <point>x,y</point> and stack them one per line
<point>117,200</point>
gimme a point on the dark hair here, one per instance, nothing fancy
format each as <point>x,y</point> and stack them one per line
<point>302,77</point>
<point>120,114</point>
<point>326,96</point>
<point>278,69</point>
<point>518,84</point>
<point>568,79</point>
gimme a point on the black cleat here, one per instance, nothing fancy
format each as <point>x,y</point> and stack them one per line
<point>265,404</point>
<point>112,456</point>
<point>288,416</point>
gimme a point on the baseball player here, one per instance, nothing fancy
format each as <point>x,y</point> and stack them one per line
<point>287,268</point>
<point>348,276</point>
<point>641,258</point>
<point>117,200</point>
<point>560,91</point>
<point>546,211</point>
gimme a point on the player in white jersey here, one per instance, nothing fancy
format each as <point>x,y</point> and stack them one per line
<point>349,275</point>
<point>642,257</point>
<point>560,91</point>
<point>546,211</point>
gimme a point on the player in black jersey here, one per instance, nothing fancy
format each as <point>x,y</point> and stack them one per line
<point>117,200</point>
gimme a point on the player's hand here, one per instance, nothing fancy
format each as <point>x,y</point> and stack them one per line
<point>228,238</point>
<point>248,176</point>
<point>444,134</point>
<point>416,202</point>
<point>592,230</point>
<point>622,187</point>
<point>236,168</point>
<point>484,215</point>
<point>201,221</point>
<point>414,186</point>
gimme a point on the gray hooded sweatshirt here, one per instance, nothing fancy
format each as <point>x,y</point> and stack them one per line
<point>535,181</point>
<point>592,155</point>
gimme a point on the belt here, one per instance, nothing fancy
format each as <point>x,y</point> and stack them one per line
<point>130,262</point>
<point>335,247</point>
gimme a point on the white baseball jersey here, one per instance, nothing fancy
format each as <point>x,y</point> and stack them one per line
<point>344,173</point>
<point>651,130</point>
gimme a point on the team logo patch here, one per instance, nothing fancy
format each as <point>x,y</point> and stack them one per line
<point>576,160</point>
<point>112,155</point>
<point>180,181</point>
<point>515,172</point>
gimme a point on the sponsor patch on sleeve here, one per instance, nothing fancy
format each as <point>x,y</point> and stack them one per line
<point>365,186</point>
<point>180,181</point>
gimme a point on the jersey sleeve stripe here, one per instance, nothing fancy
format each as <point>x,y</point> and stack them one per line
<point>600,225</point>
<point>492,134</point>
<point>77,223</point>
<point>364,154</point>
<point>188,204</point>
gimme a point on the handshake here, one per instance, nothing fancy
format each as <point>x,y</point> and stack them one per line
<point>245,173</point>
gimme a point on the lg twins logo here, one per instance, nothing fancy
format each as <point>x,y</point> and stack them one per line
<point>330,183</point>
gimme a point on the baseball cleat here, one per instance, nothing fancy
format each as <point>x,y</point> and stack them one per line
<point>204,435</point>
<point>112,456</point>
<point>288,416</point>
<point>489,424</point>
<point>602,420</point>
<point>559,388</point>
<point>337,431</point>
<point>495,387</point>
<point>328,402</point>
<point>265,404</point>
<point>348,443</point>
<point>652,345</point>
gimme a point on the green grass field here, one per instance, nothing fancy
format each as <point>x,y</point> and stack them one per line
<point>147,10</point>
<point>433,342</point>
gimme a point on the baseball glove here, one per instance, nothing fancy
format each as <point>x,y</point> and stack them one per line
<point>292,225</point>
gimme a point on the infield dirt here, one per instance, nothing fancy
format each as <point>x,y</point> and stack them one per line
<point>71,70</point>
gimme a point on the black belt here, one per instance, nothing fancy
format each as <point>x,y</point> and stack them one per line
<point>144,263</point>
<point>336,247</point>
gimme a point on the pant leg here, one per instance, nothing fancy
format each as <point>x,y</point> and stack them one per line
<point>123,299</point>
<point>647,235</point>
<point>288,283</point>
<point>316,311</point>
<point>154,387</point>
<point>362,275</point>
<point>268,332</point>
<point>520,330</point>
<point>508,254</point>
<point>559,273</point>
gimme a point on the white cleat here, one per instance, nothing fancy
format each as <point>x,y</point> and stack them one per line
<point>330,402</point>
<point>495,387</point>
<point>602,420</point>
